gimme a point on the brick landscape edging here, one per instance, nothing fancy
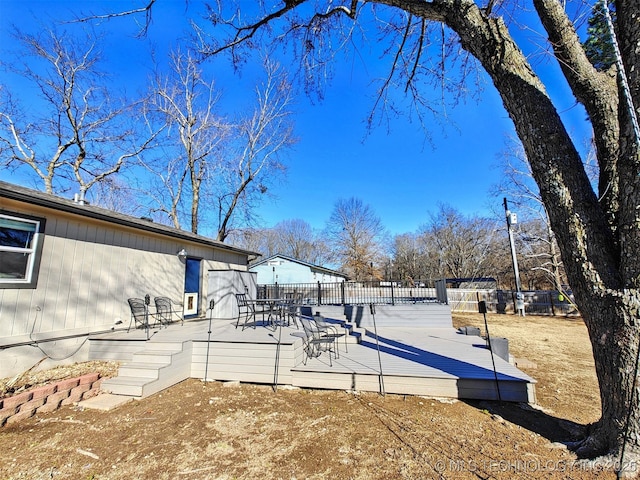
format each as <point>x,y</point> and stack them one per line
<point>48,398</point>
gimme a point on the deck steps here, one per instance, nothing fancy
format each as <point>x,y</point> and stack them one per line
<point>114,350</point>
<point>157,366</point>
<point>153,356</point>
<point>335,316</point>
<point>352,336</point>
<point>359,318</point>
<point>406,315</point>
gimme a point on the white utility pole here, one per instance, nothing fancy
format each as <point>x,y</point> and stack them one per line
<point>512,219</point>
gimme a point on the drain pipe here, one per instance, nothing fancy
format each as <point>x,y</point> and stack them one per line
<point>206,365</point>
<point>372,307</point>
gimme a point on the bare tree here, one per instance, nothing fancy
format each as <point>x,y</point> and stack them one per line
<point>294,238</point>
<point>409,259</point>
<point>459,244</point>
<point>253,158</point>
<point>115,193</point>
<point>454,245</point>
<point>539,258</point>
<point>534,235</point>
<point>213,168</point>
<point>195,135</point>
<point>77,134</point>
<point>261,240</point>
<point>355,234</point>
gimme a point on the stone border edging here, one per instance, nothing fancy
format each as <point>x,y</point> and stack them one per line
<point>48,398</point>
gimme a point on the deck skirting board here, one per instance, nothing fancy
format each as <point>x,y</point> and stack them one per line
<point>253,377</point>
<point>252,363</point>
<point>422,386</point>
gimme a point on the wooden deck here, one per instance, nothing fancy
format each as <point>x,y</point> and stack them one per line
<point>421,361</point>
<point>416,359</point>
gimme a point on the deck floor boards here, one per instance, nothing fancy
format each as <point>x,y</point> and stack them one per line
<point>407,354</point>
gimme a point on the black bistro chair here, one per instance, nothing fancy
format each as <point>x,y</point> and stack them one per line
<point>139,313</point>
<point>164,310</point>
<point>316,342</point>
<point>246,309</point>
<point>330,330</point>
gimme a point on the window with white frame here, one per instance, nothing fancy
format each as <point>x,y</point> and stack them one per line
<point>19,250</point>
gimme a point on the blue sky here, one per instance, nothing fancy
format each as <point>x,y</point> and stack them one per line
<point>399,174</point>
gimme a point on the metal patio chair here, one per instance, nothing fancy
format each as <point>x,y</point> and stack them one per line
<point>330,330</point>
<point>164,310</point>
<point>139,313</point>
<point>246,308</point>
<point>315,342</point>
<point>289,308</point>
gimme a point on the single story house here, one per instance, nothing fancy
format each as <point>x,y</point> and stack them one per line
<point>282,269</point>
<point>67,269</point>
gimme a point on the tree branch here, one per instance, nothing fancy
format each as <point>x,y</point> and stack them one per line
<point>245,33</point>
<point>147,10</point>
<point>416,63</point>
<point>597,91</point>
<point>383,89</point>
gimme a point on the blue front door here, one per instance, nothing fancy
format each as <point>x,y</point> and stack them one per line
<point>192,287</point>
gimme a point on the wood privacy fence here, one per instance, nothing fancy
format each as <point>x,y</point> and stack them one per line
<point>538,302</point>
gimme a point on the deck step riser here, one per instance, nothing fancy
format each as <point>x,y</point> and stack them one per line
<point>353,338</point>
<point>124,385</point>
<point>138,372</point>
<point>128,390</point>
<point>160,359</point>
<point>165,346</point>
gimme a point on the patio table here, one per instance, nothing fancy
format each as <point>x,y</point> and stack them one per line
<point>270,306</point>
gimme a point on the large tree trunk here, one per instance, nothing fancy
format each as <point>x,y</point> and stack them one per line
<point>628,31</point>
<point>612,321</point>
<point>598,239</point>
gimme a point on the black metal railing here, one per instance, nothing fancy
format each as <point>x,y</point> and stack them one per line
<point>351,293</point>
<point>539,302</point>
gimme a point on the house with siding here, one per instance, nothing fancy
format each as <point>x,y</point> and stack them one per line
<point>282,269</point>
<point>67,269</point>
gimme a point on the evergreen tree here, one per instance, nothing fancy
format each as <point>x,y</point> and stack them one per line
<point>599,45</point>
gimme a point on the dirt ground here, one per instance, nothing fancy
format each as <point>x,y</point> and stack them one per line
<point>216,430</point>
